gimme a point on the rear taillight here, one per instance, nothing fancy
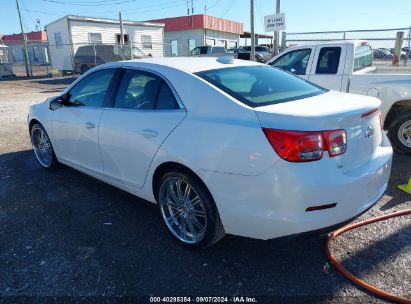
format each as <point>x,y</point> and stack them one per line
<point>302,146</point>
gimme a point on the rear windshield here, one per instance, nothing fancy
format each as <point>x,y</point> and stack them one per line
<point>258,86</point>
<point>362,57</point>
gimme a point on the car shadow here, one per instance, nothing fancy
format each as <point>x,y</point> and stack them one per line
<point>402,168</point>
<point>56,81</point>
<point>63,232</point>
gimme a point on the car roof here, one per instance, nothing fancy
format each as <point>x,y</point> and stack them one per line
<point>331,42</point>
<point>189,64</point>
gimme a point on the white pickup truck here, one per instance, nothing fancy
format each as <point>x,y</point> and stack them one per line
<point>347,66</point>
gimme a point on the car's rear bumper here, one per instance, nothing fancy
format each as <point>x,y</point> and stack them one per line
<point>274,203</point>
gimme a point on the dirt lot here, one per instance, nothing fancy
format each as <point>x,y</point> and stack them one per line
<point>64,234</point>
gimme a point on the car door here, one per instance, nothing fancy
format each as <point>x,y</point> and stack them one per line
<point>328,67</point>
<point>75,124</point>
<point>144,113</point>
<point>297,62</point>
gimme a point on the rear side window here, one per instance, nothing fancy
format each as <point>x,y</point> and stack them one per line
<point>328,60</point>
<point>260,85</point>
<point>137,90</point>
<point>165,99</point>
<point>362,57</point>
<point>140,90</point>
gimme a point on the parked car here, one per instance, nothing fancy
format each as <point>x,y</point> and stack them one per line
<point>403,54</point>
<point>383,54</point>
<point>348,67</point>
<point>208,51</point>
<point>262,53</point>
<point>243,54</point>
<point>89,56</point>
<point>221,145</point>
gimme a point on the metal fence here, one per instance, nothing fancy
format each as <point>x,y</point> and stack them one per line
<point>382,41</point>
<point>46,59</point>
<point>51,59</point>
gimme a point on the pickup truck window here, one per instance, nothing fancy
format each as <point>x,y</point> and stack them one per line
<point>295,61</point>
<point>328,60</point>
<point>362,57</point>
<point>258,86</point>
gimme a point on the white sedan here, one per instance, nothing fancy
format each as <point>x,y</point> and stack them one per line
<point>221,146</point>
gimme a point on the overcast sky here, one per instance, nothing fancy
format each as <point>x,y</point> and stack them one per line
<point>301,15</point>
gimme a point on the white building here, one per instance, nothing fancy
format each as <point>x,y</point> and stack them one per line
<point>183,34</point>
<point>67,34</point>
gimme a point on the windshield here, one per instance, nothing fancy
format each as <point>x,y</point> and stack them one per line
<point>260,85</point>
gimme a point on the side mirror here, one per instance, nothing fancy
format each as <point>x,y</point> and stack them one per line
<point>58,102</point>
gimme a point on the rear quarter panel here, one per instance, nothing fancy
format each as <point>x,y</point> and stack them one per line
<point>218,134</point>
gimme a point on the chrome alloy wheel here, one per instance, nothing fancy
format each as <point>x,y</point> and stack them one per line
<point>404,133</point>
<point>183,210</point>
<point>42,146</point>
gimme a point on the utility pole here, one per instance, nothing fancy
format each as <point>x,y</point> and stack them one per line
<point>276,33</point>
<point>123,55</point>
<point>205,28</point>
<point>26,53</point>
<point>252,54</point>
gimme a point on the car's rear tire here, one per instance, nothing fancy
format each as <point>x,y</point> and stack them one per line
<point>84,68</point>
<point>188,210</point>
<point>399,132</point>
<point>43,149</point>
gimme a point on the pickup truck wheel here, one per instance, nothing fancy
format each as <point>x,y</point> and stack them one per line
<point>399,132</point>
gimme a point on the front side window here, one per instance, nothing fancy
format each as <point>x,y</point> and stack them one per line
<point>328,60</point>
<point>91,90</point>
<point>295,62</point>
<point>260,85</point>
<point>143,91</point>
<point>95,38</point>
<point>146,42</point>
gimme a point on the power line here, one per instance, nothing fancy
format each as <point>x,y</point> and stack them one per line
<point>30,16</point>
<point>143,9</point>
<point>100,3</point>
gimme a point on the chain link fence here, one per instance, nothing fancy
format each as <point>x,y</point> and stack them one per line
<point>48,60</point>
<point>13,58</point>
<point>382,41</point>
<point>61,59</point>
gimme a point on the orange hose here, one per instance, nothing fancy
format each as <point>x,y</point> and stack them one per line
<point>348,274</point>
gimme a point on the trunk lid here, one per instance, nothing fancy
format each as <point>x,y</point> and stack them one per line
<point>331,111</point>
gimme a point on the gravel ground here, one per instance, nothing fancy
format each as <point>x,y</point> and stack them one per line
<point>64,234</point>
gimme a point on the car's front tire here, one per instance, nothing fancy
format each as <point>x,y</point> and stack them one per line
<point>399,132</point>
<point>188,210</point>
<point>42,146</point>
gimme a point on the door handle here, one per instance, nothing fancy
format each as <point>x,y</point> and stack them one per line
<point>147,133</point>
<point>90,125</point>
